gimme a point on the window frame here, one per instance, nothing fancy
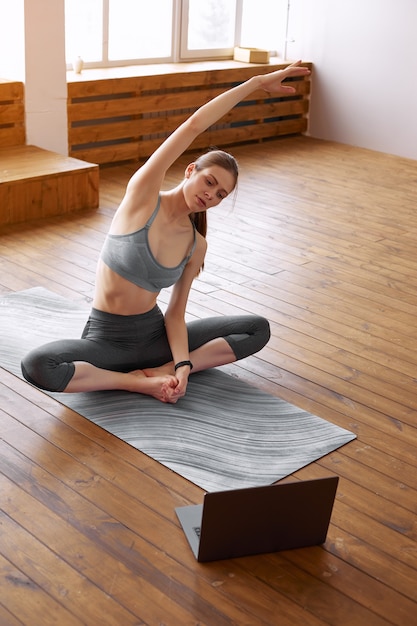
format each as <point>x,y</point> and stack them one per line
<point>179,44</point>
<point>185,54</point>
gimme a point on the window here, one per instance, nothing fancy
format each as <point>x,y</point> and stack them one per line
<point>208,28</point>
<point>125,32</point>
<point>145,34</point>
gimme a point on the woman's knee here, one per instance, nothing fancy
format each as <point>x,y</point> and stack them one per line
<point>253,336</point>
<point>262,333</point>
<point>46,371</point>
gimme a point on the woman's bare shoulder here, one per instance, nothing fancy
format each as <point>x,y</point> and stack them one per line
<point>201,243</point>
<point>134,210</point>
<point>199,254</point>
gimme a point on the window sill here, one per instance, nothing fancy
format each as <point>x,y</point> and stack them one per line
<point>156,69</point>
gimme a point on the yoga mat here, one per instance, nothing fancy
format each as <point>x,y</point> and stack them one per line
<point>223,434</point>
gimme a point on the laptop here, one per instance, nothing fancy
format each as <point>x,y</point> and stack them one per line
<point>256,520</point>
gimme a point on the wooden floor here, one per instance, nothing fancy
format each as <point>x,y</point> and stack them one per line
<point>322,240</point>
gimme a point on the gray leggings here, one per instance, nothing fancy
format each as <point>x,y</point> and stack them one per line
<point>123,343</point>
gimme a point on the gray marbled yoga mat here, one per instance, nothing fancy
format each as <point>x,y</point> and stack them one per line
<point>223,434</point>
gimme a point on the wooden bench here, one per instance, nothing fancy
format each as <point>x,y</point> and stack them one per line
<point>35,182</point>
<point>123,114</point>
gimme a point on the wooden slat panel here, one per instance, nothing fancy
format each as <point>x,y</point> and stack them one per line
<point>157,78</point>
<point>97,133</point>
<point>135,104</point>
<point>11,90</point>
<point>229,137</point>
<point>12,114</point>
<point>157,104</point>
<point>221,137</point>
<point>136,128</point>
<point>104,109</point>
<point>181,100</point>
<point>263,110</point>
<point>102,87</point>
<point>110,154</point>
<point>14,136</point>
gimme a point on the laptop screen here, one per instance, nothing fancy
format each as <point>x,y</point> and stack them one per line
<point>263,519</point>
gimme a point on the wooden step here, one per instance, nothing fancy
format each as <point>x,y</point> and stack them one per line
<point>36,183</point>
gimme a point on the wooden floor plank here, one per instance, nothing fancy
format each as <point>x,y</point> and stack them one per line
<point>385,601</point>
<point>22,597</point>
<point>121,523</point>
<point>321,239</point>
<point>49,572</point>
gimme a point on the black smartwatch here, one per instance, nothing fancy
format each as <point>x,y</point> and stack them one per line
<point>182,363</point>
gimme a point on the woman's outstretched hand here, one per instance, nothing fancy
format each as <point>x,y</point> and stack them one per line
<point>272,83</point>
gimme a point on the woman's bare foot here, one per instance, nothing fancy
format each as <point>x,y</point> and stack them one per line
<point>160,387</point>
<point>162,370</point>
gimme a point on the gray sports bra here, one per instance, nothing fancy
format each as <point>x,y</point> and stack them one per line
<point>131,257</point>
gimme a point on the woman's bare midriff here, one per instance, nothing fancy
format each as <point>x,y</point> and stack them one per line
<point>119,296</point>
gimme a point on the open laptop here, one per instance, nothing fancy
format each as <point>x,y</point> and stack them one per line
<point>256,520</point>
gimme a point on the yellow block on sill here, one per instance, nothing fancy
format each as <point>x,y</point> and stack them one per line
<point>251,55</point>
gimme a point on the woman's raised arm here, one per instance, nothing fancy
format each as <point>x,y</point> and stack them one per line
<point>212,111</point>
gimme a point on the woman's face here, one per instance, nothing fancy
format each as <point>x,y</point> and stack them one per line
<point>207,187</point>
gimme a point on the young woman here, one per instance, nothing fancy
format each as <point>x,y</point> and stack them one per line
<point>157,239</point>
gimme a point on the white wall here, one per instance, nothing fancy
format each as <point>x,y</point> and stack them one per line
<point>45,75</point>
<point>12,40</point>
<point>365,70</point>
<point>32,49</point>
<point>364,54</point>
